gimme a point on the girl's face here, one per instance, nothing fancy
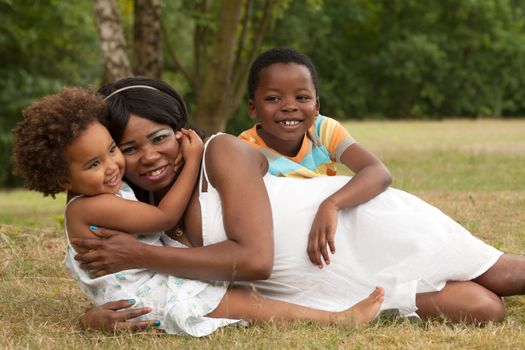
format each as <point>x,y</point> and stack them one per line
<point>285,103</point>
<point>95,164</point>
<point>150,150</point>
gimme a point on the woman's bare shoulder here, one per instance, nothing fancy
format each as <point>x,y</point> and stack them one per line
<point>228,151</point>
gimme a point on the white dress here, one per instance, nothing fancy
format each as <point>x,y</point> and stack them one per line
<point>179,304</point>
<point>395,240</point>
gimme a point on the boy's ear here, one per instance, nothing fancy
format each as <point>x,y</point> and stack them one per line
<point>251,109</point>
<point>64,183</point>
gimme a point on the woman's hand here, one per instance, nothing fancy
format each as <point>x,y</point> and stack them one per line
<point>116,251</point>
<point>322,234</point>
<point>110,317</point>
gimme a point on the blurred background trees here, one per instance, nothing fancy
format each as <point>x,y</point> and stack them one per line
<point>376,59</point>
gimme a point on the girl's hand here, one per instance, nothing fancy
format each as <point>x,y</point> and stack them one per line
<point>110,317</point>
<point>322,234</point>
<point>179,161</point>
<point>192,145</point>
<point>116,251</point>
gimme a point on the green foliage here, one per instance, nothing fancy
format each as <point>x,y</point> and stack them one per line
<point>411,58</point>
<point>45,44</point>
<point>376,59</point>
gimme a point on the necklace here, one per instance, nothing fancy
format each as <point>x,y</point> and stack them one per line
<point>179,231</point>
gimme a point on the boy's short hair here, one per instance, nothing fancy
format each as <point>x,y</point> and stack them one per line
<point>48,128</point>
<point>278,55</point>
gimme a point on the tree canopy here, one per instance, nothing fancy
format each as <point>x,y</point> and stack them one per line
<point>376,59</point>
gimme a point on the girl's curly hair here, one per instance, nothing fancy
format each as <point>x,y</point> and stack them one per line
<point>48,128</point>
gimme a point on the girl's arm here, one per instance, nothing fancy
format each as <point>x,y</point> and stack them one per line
<point>111,211</point>
<point>235,170</point>
<point>370,179</point>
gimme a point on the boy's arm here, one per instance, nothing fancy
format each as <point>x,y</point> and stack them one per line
<point>133,216</point>
<point>370,179</point>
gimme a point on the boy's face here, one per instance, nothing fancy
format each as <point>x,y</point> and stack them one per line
<point>96,165</point>
<point>285,103</point>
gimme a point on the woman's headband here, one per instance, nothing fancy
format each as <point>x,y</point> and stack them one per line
<point>130,87</point>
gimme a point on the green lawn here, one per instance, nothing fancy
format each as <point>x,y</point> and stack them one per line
<point>472,170</point>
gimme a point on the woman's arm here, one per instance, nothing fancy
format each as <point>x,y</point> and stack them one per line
<point>115,316</point>
<point>236,171</point>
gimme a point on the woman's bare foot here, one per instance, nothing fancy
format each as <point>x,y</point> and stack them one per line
<point>364,311</point>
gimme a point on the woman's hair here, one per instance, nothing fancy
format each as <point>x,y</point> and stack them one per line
<point>274,56</point>
<point>49,126</point>
<point>162,104</point>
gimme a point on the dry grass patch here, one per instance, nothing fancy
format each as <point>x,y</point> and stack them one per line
<point>488,136</point>
<point>496,217</point>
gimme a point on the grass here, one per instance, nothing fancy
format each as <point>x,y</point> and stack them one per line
<point>472,170</point>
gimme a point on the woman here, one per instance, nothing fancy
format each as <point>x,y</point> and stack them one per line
<point>234,196</point>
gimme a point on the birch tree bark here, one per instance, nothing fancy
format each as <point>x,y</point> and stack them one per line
<point>112,42</point>
<point>147,44</point>
<point>220,69</point>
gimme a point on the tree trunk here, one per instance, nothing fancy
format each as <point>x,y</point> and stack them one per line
<point>112,42</point>
<point>210,113</point>
<point>242,66</point>
<point>146,45</point>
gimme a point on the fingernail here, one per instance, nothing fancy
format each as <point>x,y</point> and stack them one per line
<point>131,301</point>
<point>93,227</point>
<point>156,323</point>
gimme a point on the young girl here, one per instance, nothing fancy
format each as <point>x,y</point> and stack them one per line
<point>61,145</point>
<point>298,142</point>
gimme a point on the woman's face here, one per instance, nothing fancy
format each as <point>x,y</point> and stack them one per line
<point>150,150</point>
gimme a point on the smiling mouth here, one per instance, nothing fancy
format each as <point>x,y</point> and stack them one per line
<point>289,122</point>
<point>154,174</point>
<point>114,180</point>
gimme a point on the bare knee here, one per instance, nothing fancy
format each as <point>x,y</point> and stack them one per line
<point>484,309</point>
<point>506,276</point>
<point>462,302</point>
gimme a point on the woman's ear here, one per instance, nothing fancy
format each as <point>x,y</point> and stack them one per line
<point>64,183</point>
<point>252,113</point>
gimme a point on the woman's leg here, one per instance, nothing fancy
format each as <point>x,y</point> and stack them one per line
<point>462,302</point>
<point>506,277</point>
<point>243,303</point>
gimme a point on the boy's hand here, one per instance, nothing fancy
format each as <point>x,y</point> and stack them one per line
<point>192,145</point>
<point>322,234</point>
